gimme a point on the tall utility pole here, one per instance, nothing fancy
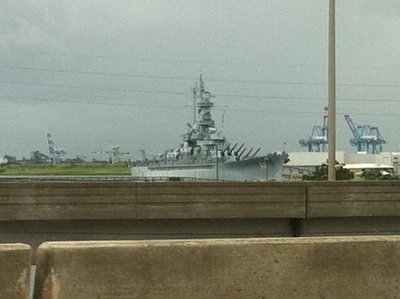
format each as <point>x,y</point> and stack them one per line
<point>331,94</point>
<point>216,162</point>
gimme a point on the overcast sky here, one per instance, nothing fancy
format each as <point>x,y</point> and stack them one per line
<point>100,73</point>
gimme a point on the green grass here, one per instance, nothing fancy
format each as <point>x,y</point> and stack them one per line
<point>65,169</point>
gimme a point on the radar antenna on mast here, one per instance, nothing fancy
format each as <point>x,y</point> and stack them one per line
<point>195,90</point>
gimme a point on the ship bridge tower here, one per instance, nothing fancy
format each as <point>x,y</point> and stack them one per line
<point>204,107</point>
<point>204,134</point>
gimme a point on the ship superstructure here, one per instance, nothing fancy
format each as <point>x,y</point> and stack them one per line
<point>206,154</point>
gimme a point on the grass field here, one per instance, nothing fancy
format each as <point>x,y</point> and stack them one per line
<point>65,169</point>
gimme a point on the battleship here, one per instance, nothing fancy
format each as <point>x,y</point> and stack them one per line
<point>205,153</point>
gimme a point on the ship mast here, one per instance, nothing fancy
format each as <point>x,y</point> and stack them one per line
<point>204,106</point>
<point>194,90</point>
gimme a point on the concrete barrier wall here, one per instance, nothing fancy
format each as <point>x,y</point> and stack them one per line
<point>67,200</point>
<point>196,200</point>
<point>353,199</point>
<point>34,212</point>
<point>220,200</point>
<point>15,265</point>
<point>129,200</point>
<point>357,267</point>
<point>35,233</point>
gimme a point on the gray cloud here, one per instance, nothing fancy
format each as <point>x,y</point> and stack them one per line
<point>266,41</point>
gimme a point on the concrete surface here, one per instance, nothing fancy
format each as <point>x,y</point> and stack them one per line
<point>66,200</point>
<point>39,211</point>
<point>353,199</point>
<point>220,200</point>
<point>35,233</point>
<point>349,267</point>
<point>167,200</point>
<point>15,267</point>
<point>90,200</point>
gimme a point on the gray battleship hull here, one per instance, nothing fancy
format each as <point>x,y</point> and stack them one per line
<point>254,169</point>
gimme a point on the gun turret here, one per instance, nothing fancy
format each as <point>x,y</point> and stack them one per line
<point>231,150</point>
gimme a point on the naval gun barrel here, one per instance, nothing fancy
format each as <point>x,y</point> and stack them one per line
<point>225,149</point>
<point>248,153</point>
<point>241,153</point>
<point>231,150</point>
<point>240,147</point>
<point>256,152</point>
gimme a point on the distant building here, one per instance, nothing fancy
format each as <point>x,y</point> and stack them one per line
<point>305,162</point>
<point>3,159</point>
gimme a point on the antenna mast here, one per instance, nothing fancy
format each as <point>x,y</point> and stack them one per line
<point>194,90</point>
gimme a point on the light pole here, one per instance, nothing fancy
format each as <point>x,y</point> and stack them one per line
<point>216,162</point>
<point>331,94</point>
<point>397,159</point>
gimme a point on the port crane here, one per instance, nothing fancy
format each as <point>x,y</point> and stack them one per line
<point>365,137</point>
<point>113,153</point>
<point>318,140</point>
<point>39,157</point>
<point>55,153</point>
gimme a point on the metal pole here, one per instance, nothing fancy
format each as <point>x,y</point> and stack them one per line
<point>194,103</point>
<point>331,94</point>
<point>216,163</point>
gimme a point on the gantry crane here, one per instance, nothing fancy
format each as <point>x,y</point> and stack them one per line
<point>113,152</point>
<point>365,137</point>
<point>115,155</point>
<point>318,140</point>
<point>55,153</point>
